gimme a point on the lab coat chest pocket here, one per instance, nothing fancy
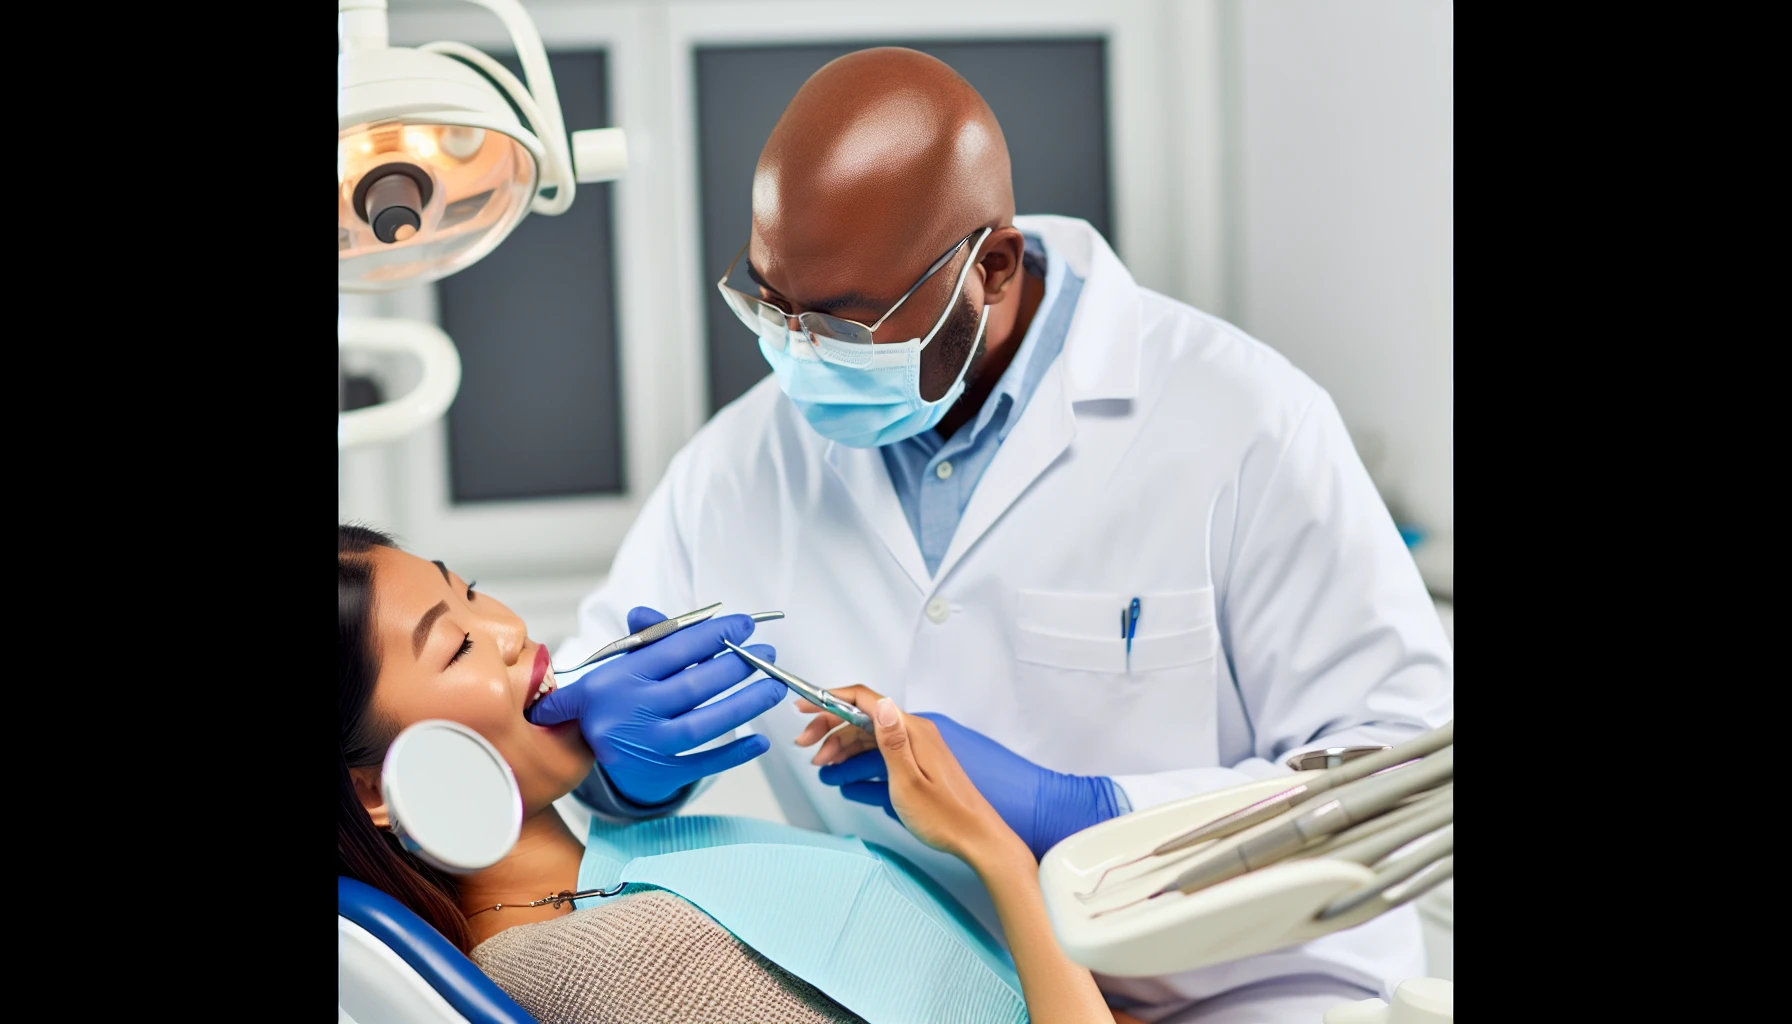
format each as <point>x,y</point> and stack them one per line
<point>1175,629</point>
<point>1082,632</point>
<point>1094,713</point>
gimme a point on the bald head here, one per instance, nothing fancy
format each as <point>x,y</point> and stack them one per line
<point>882,161</point>
<point>882,144</point>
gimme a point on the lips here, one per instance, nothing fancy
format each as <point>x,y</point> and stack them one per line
<point>541,679</point>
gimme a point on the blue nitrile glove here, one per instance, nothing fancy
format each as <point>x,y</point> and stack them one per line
<point>638,711</point>
<point>1040,805</point>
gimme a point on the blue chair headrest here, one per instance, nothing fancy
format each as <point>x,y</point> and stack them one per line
<point>446,968</point>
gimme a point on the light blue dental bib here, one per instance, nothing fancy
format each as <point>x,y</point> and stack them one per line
<point>856,921</point>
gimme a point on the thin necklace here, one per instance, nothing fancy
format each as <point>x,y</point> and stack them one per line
<point>558,899</point>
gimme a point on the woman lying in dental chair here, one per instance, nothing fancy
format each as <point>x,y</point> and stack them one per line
<point>647,955</point>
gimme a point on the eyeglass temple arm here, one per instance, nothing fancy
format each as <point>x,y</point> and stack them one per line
<point>726,274</point>
<point>937,264</point>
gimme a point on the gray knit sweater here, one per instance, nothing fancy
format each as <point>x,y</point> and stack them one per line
<point>646,958</point>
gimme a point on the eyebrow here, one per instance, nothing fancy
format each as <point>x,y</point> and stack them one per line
<point>444,569</point>
<point>421,634</point>
<point>845,300</point>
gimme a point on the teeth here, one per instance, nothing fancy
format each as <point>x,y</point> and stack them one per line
<point>548,685</point>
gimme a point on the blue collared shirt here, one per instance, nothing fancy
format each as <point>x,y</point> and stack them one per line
<point>934,476</point>
<point>933,501</point>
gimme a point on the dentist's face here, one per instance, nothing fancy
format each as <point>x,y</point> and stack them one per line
<point>448,651</point>
<point>854,279</point>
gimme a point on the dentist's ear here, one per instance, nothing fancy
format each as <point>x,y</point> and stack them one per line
<point>999,264</point>
<point>367,787</point>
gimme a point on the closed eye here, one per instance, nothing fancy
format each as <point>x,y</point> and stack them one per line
<point>466,645</point>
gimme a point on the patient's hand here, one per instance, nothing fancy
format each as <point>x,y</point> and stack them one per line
<point>841,743</point>
<point>929,790</point>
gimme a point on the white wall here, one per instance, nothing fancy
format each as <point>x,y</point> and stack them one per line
<point>1339,160</point>
<point>1305,194</point>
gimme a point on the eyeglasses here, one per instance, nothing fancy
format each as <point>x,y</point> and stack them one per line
<point>771,323</point>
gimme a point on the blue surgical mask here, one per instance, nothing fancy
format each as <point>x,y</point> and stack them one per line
<point>869,405</point>
<point>866,396</point>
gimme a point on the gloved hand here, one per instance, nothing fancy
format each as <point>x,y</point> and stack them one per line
<point>1040,805</point>
<point>638,711</point>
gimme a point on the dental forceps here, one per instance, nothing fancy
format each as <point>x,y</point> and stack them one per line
<point>659,631</point>
<point>808,691</point>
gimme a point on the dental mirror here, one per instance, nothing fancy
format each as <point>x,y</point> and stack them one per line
<point>452,799</point>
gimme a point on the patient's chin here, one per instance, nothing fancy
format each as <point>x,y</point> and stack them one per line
<point>562,761</point>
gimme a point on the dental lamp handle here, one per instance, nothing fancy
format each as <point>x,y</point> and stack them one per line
<point>361,24</point>
<point>423,404</point>
<point>540,77</point>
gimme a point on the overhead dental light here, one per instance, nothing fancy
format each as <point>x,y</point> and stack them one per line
<point>435,168</point>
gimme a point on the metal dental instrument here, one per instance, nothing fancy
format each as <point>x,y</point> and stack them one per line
<point>1412,806</point>
<point>1398,894</point>
<point>1434,874</point>
<point>1346,773</point>
<point>1350,771</point>
<point>1329,757</point>
<point>1346,806</point>
<point>659,631</point>
<point>1296,829</point>
<point>1376,838</point>
<point>808,691</point>
<point>1396,869</point>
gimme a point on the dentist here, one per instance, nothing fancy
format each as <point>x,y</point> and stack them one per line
<point>1117,550</point>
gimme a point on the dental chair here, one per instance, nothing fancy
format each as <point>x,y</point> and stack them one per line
<point>393,968</point>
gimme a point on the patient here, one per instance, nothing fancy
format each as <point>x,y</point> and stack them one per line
<point>416,641</point>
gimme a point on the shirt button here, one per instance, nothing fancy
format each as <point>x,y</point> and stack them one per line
<point>945,471</point>
<point>938,610</point>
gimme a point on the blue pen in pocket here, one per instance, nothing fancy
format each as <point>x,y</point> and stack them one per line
<point>1129,625</point>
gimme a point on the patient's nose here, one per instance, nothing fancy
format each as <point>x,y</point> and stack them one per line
<point>511,637</point>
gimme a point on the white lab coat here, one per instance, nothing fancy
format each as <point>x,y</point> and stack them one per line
<point>1165,455</point>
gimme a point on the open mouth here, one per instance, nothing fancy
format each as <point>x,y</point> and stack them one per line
<point>547,686</point>
<point>541,679</point>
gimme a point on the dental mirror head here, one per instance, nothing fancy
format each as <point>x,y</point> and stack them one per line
<point>452,799</point>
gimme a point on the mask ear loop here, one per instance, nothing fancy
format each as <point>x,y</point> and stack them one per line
<point>958,290</point>
<point>983,320</point>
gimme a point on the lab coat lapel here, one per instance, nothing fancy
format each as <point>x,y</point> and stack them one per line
<point>863,473</point>
<point>1100,361</point>
<point>1047,426</point>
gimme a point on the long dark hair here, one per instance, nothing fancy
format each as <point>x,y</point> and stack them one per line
<point>364,851</point>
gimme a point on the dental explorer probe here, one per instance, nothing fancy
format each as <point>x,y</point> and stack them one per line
<point>659,631</point>
<point>807,690</point>
<point>1286,835</point>
<point>1351,771</point>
